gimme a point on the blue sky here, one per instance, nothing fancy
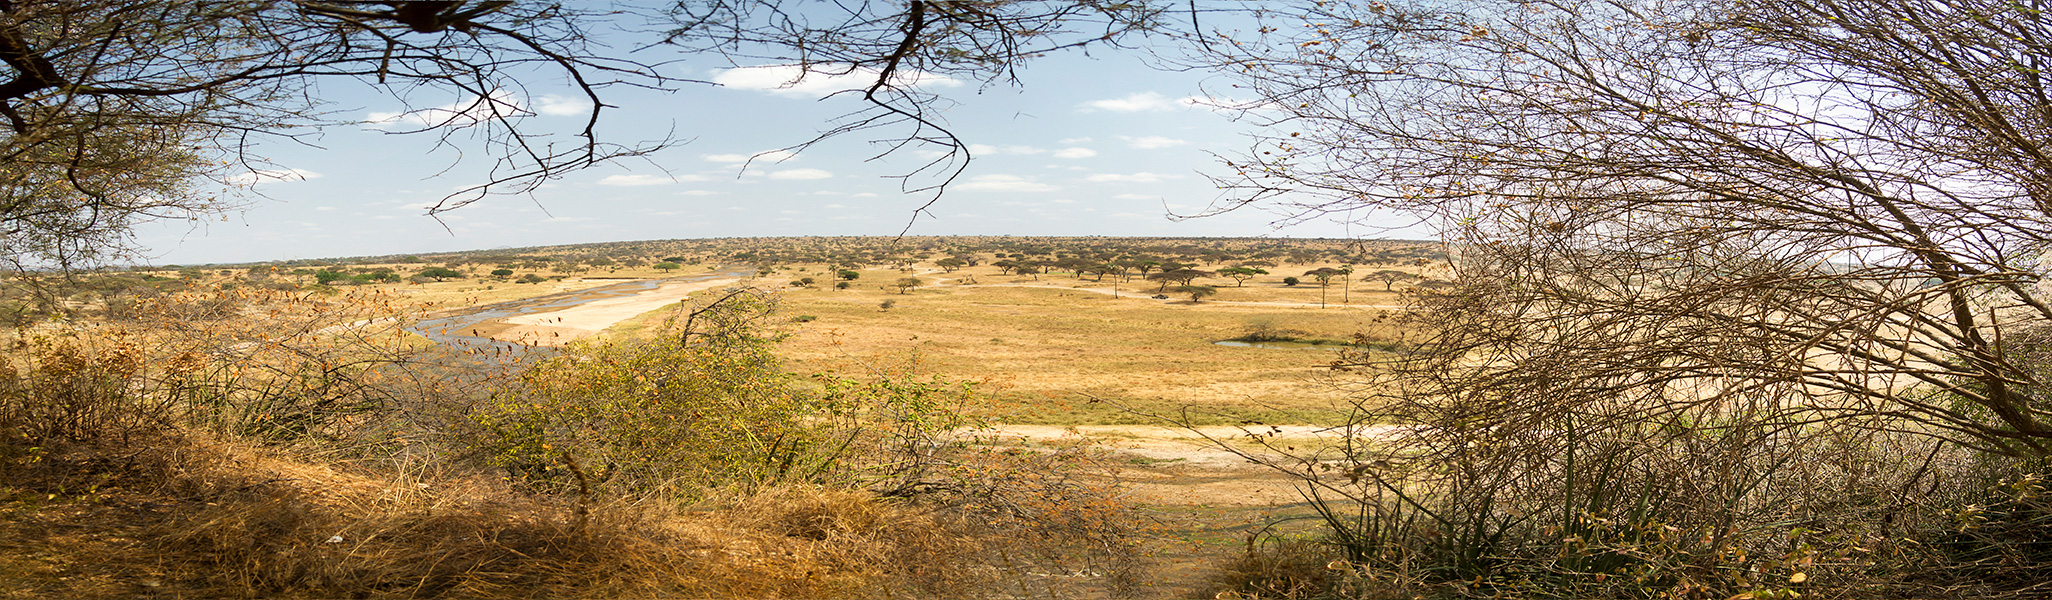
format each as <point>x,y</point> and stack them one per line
<point>1098,144</point>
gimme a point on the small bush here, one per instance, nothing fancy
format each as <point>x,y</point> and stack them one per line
<point>680,413</point>
<point>78,389</point>
<point>1279,568</point>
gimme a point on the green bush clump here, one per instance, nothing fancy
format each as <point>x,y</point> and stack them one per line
<point>681,413</point>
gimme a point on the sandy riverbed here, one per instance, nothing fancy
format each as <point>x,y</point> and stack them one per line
<point>559,327</point>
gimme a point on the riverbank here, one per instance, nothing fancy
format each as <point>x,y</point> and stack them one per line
<point>571,323</point>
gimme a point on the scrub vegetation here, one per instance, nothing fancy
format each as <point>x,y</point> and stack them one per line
<point>251,430</point>
<point>1733,300</point>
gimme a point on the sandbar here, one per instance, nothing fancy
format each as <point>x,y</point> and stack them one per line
<point>559,327</point>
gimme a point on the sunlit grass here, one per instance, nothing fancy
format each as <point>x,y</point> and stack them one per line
<point>1046,354</point>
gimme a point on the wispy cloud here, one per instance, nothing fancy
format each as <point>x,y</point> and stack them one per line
<point>1138,102</point>
<point>498,104</point>
<point>1073,153</point>
<point>1152,142</point>
<point>794,80</point>
<point>1149,102</point>
<point>561,106</point>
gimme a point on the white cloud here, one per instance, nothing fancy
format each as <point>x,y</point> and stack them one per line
<point>698,193</point>
<point>793,80</point>
<point>261,175</point>
<point>800,174</point>
<point>1232,106</point>
<point>1150,101</point>
<point>1004,183</point>
<point>1151,142</point>
<point>1076,140</point>
<point>562,106</point>
<point>636,180</point>
<point>1141,177</point>
<point>498,104</point>
<point>1075,153</point>
<point>1139,102</point>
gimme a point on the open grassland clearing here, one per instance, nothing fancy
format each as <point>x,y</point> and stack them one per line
<point>1046,354</point>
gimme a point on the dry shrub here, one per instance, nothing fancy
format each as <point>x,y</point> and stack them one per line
<point>77,389</point>
<point>860,541</point>
<point>1290,568</point>
<point>1063,525</point>
<point>219,519</point>
<point>1277,568</point>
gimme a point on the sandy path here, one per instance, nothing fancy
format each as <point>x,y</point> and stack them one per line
<point>559,327</point>
<point>1141,294</point>
<point>1177,466</point>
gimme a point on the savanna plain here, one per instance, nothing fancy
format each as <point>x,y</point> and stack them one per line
<point>790,417</point>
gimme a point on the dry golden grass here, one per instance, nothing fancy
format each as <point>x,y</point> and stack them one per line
<point>215,519</point>
<point>1045,348</point>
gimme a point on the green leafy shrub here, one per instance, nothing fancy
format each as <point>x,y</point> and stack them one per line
<point>681,413</point>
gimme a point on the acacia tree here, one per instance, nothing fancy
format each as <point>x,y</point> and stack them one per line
<point>1389,278</point>
<point>1176,276</point>
<point>1730,247</point>
<point>1325,275</point>
<point>1241,274</point>
<point>1197,292</point>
